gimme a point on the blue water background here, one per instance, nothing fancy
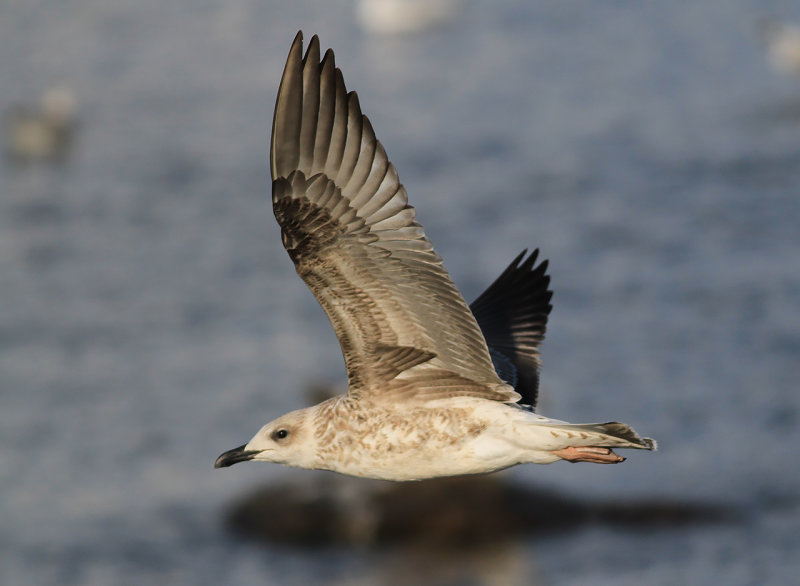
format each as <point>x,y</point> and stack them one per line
<point>150,318</point>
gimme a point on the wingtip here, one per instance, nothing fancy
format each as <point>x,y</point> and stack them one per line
<point>528,263</point>
<point>296,52</point>
<point>312,52</point>
<point>519,257</point>
<point>328,59</point>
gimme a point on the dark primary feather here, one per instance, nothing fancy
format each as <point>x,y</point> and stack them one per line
<point>512,314</point>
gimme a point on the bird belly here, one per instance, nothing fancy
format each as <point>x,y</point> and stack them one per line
<point>404,461</point>
<point>420,443</point>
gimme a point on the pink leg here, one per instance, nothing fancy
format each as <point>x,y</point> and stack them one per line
<point>589,454</point>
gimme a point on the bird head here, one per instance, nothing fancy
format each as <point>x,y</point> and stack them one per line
<point>286,440</point>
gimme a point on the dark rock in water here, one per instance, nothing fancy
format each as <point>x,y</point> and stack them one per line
<point>330,510</point>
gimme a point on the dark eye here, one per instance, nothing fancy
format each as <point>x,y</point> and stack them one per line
<point>281,434</point>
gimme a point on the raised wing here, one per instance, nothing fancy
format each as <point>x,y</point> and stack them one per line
<point>512,313</point>
<point>405,330</point>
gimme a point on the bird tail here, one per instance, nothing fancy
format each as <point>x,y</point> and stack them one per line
<point>610,435</point>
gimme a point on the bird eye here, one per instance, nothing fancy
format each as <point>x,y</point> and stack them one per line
<point>281,434</point>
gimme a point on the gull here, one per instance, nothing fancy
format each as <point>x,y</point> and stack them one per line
<point>434,388</point>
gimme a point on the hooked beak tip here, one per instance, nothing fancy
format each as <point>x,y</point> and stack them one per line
<point>235,456</point>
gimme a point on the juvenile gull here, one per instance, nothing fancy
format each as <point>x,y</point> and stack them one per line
<point>435,389</point>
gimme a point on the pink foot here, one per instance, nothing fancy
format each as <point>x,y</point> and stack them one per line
<point>589,454</point>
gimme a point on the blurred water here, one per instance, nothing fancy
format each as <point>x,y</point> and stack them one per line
<point>150,318</point>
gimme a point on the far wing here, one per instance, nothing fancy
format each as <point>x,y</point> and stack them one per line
<point>404,328</point>
<point>512,313</point>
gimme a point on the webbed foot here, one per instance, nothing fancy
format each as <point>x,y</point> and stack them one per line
<point>589,454</point>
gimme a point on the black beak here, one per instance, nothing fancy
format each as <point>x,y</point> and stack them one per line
<point>234,456</point>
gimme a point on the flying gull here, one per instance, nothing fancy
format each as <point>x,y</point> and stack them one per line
<point>436,388</point>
